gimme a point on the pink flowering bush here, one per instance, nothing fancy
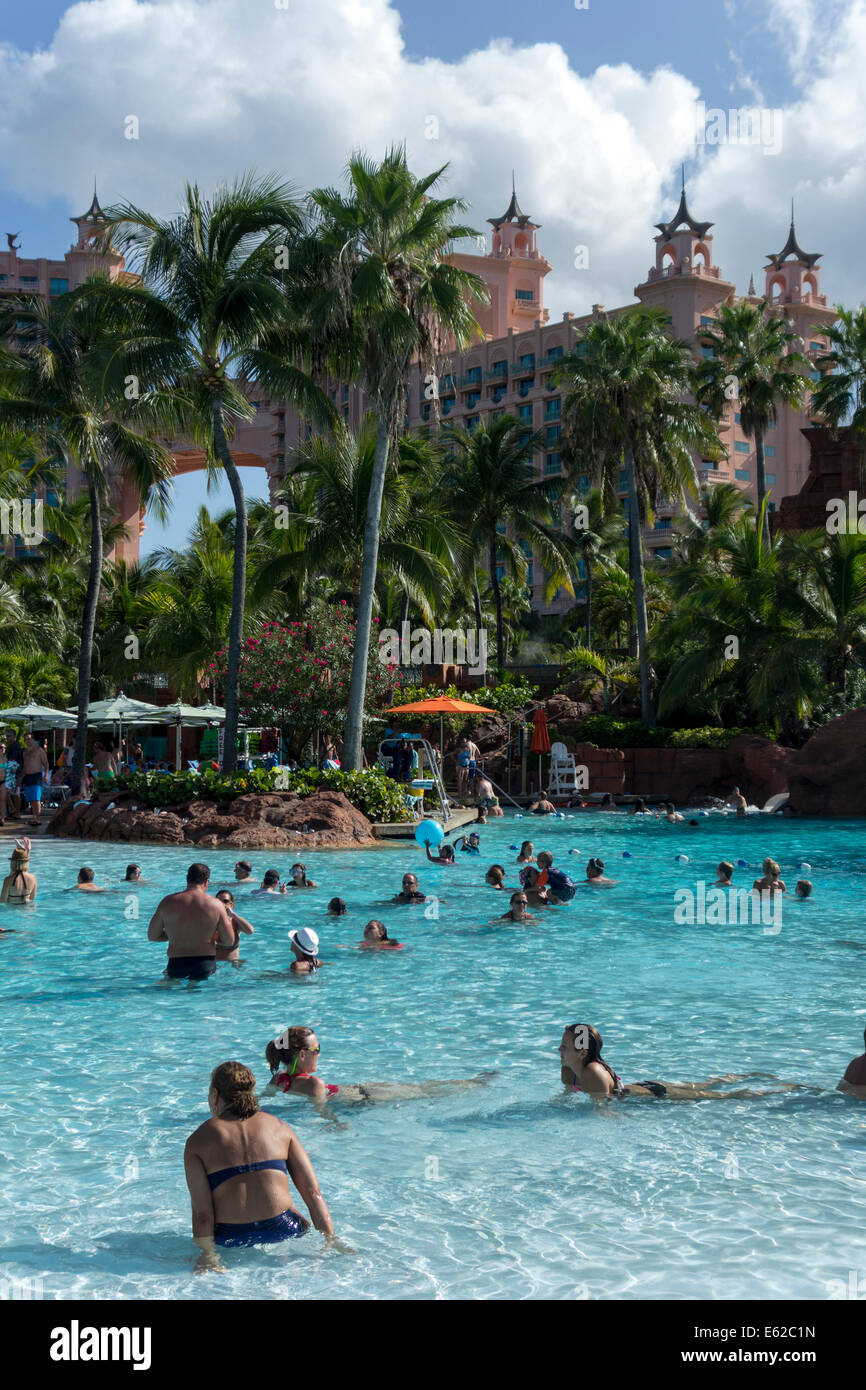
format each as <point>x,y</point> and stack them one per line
<point>296,675</point>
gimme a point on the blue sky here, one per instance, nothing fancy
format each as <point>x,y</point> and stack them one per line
<point>592,108</point>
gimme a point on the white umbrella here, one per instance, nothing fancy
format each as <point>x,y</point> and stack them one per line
<point>179,714</point>
<point>39,716</point>
<point>107,713</point>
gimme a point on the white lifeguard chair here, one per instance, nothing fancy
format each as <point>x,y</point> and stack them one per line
<point>563,771</point>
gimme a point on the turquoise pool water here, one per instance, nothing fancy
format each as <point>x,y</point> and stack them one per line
<point>512,1190</point>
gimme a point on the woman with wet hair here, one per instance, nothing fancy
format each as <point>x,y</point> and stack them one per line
<point>584,1071</point>
<point>772,881</point>
<point>376,938</point>
<point>238,1165</point>
<point>527,853</point>
<point>495,877</point>
<point>293,1058</point>
<point>595,874</point>
<point>238,924</point>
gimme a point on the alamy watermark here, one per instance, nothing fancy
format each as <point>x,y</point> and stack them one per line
<point>846,516</point>
<point>446,646</point>
<point>719,907</point>
<point>23,519</point>
<point>739,125</point>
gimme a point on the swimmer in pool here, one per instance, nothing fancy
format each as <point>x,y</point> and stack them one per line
<point>803,888</point>
<point>527,853</point>
<point>85,883</point>
<point>495,877</point>
<point>270,885</point>
<point>240,926</point>
<point>191,922</point>
<point>337,908</point>
<point>595,874</point>
<point>853,1083</point>
<point>376,938</point>
<point>470,844</point>
<point>771,882</point>
<point>725,873</point>
<point>244,872</point>
<point>533,887</point>
<point>444,855</point>
<point>293,1058</point>
<point>299,877</point>
<point>517,910</point>
<point>19,885</point>
<point>305,948</point>
<point>542,807</point>
<point>583,1069</point>
<point>411,893</point>
<point>238,1165</point>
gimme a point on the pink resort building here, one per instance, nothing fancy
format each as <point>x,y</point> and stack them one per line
<point>511,368</point>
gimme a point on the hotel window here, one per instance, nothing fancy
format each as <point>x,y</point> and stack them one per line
<point>530,575</point>
<point>527,360</point>
<point>664,552</point>
<point>706,322</point>
<point>30,279</point>
<point>553,409</point>
<point>815,374</point>
<point>59,286</point>
<point>583,483</point>
<point>736,417</point>
<point>425,410</point>
<point>472,423</point>
<point>472,399</point>
<point>552,463</point>
<point>743,446</point>
<point>552,433</point>
<point>555,354</point>
<point>473,376</point>
<point>447,404</point>
<point>500,572</point>
<point>446,383</point>
<point>817,347</point>
<point>526,413</point>
<point>663,524</point>
<point>743,475</point>
<point>500,368</point>
<point>496,396</point>
<point>769,451</point>
<point>707,352</point>
<point>769,479</point>
<point>523,294</point>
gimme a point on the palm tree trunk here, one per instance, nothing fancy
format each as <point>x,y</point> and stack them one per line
<point>476,599</point>
<point>761,483</point>
<point>353,735</point>
<point>639,580</point>
<point>587,597</point>
<point>88,627</point>
<point>497,598</point>
<point>239,579</point>
<point>404,609</point>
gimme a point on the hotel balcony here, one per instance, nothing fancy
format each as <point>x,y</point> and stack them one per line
<point>708,272</point>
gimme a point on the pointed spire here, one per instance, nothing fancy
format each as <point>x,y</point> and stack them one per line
<point>751,289</point>
<point>793,250</point>
<point>682,217</point>
<point>513,212</point>
<point>94,213</point>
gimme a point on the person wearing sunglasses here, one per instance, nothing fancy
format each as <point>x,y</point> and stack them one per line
<point>517,911</point>
<point>411,893</point>
<point>239,925</point>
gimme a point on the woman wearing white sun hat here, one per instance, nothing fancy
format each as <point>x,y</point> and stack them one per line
<point>305,945</point>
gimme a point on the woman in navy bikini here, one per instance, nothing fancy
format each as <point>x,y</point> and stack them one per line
<point>238,1166</point>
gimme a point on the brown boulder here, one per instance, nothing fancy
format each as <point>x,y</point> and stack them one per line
<point>758,766</point>
<point>826,776</point>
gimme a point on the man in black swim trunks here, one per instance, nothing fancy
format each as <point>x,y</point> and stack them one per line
<point>192,922</point>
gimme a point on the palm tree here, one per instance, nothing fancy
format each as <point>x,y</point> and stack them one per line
<point>214,286</point>
<point>378,295</point>
<point>594,539</point>
<point>840,395</point>
<point>329,483</point>
<point>754,357</point>
<point>57,388</point>
<point>625,408</point>
<point>492,489</point>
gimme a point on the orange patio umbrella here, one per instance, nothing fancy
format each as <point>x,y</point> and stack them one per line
<point>442,705</point>
<point>540,739</point>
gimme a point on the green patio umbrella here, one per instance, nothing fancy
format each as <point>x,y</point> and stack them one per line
<point>179,714</point>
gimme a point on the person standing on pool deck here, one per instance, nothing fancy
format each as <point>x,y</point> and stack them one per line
<point>191,921</point>
<point>34,770</point>
<point>238,1165</point>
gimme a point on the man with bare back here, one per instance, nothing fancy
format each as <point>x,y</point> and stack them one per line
<point>191,922</point>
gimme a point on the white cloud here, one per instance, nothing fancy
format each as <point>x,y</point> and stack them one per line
<point>230,84</point>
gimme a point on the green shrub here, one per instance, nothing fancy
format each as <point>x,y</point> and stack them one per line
<point>371,791</point>
<point>606,732</point>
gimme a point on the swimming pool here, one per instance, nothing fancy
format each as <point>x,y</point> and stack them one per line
<point>511,1190</point>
